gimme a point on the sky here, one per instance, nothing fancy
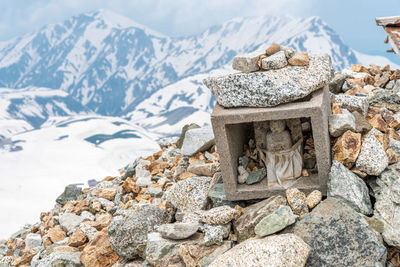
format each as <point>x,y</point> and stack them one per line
<point>353,20</point>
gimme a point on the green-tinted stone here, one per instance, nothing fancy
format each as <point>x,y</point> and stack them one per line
<point>256,176</point>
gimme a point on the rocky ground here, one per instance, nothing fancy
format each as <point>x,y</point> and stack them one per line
<point>169,209</point>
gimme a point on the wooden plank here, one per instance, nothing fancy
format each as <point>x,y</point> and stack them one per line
<point>387,20</point>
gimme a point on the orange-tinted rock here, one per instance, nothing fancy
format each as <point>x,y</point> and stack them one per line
<point>353,82</point>
<point>386,68</point>
<point>25,259</point>
<point>103,221</point>
<point>130,186</point>
<point>186,175</point>
<point>109,178</point>
<point>95,206</point>
<point>259,62</point>
<point>98,252</point>
<point>393,157</point>
<point>359,173</point>
<point>359,68</point>
<point>378,122</point>
<point>299,59</point>
<point>395,75</point>
<point>381,80</point>
<point>47,242</point>
<point>337,108</point>
<point>383,139</point>
<point>107,193</point>
<point>56,234</point>
<point>368,79</point>
<point>80,205</point>
<point>357,89</point>
<point>346,148</point>
<point>78,238</point>
<point>393,134</point>
<point>374,69</point>
<point>272,49</point>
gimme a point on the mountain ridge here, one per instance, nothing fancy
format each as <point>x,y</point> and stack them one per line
<point>111,64</point>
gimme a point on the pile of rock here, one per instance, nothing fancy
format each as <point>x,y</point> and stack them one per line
<point>170,209</point>
<point>271,77</point>
<point>274,57</point>
<point>365,128</point>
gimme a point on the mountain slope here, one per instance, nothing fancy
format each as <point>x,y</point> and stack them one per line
<point>35,105</point>
<point>167,110</point>
<point>110,64</point>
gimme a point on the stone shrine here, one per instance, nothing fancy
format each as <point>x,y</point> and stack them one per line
<point>271,123</point>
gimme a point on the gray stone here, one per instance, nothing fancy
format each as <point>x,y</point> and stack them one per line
<point>3,250</point>
<point>185,128</point>
<point>335,86</point>
<point>390,85</point>
<point>69,221</point>
<point>244,161</point>
<point>219,215</point>
<point>297,201</point>
<point>87,216</point>
<point>215,234</point>
<point>21,232</point>
<point>189,194</point>
<point>155,191</point>
<point>178,231</point>
<point>362,125</point>
<point>396,87</point>
<point>33,240</point>
<point>276,61</point>
<point>167,141</point>
<point>70,259</point>
<point>253,214</point>
<point>387,205</point>
<point>243,175</point>
<point>130,172</point>
<point>271,251</point>
<point>161,252</point>
<point>283,85</point>
<point>339,236</point>
<point>6,261</point>
<point>218,197</point>
<point>169,153</point>
<point>352,103</point>
<point>289,52</point>
<point>128,236</point>
<point>394,145</point>
<point>256,176</point>
<point>247,62</point>
<point>197,140</point>
<point>275,222</point>
<point>340,123</point>
<point>205,169</point>
<point>105,202</point>
<point>71,193</point>
<point>386,99</point>
<point>372,158</point>
<point>88,230</point>
<point>144,181</point>
<point>344,184</point>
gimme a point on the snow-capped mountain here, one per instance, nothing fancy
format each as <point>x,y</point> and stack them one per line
<point>35,105</point>
<point>111,65</point>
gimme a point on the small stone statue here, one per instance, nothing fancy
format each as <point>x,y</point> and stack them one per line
<point>282,154</point>
<point>279,138</point>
